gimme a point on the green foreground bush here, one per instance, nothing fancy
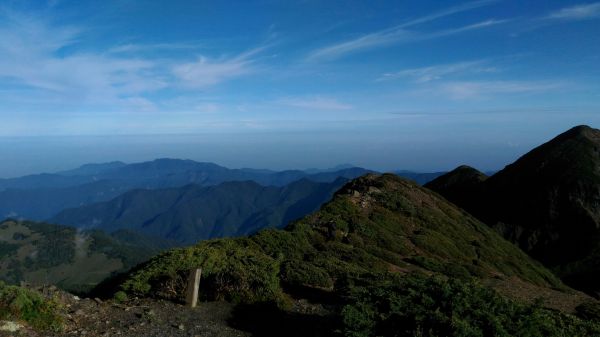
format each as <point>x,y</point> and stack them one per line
<point>22,304</point>
<point>434,306</point>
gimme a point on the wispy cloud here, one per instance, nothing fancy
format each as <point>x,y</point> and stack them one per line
<point>378,39</point>
<point>449,11</point>
<point>135,47</point>
<point>206,72</point>
<point>44,60</point>
<point>400,33</point>
<point>314,103</point>
<point>437,72</point>
<point>578,12</point>
<point>31,55</point>
<point>483,89</point>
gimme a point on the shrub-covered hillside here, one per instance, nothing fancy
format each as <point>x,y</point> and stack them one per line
<point>373,224</point>
<point>383,252</point>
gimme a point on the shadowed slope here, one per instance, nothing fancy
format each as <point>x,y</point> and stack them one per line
<point>548,202</point>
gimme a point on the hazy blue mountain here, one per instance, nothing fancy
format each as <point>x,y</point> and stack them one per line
<point>93,169</point>
<point>176,172</point>
<point>167,172</point>
<point>42,203</point>
<point>331,169</point>
<point>44,180</point>
<point>192,213</point>
<point>39,197</point>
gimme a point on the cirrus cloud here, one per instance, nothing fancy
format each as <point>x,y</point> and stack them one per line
<point>578,12</point>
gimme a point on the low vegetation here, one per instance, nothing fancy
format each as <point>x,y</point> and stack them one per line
<point>41,253</point>
<point>434,306</point>
<point>28,306</point>
<point>392,259</point>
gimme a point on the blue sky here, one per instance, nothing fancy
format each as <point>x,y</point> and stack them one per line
<point>423,85</point>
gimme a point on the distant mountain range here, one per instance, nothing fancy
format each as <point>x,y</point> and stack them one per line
<point>419,177</point>
<point>548,202</point>
<point>42,196</point>
<point>39,197</point>
<point>192,213</point>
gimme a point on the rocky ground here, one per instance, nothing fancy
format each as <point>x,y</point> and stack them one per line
<point>157,318</point>
<point>137,317</point>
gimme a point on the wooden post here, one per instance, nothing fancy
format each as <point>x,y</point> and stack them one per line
<point>191,297</point>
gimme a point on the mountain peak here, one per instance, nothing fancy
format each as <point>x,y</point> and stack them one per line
<point>459,177</point>
<point>581,129</point>
<point>573,155</point>
<point>465,167</point>
<point>578,132</point>
<point>371,182</point>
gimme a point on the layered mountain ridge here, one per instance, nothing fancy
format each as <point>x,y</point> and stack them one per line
<point>548,202</point>
<point>193,213</point>
<point>42,196</point>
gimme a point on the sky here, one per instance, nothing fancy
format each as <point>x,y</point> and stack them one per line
<point>419,85</point>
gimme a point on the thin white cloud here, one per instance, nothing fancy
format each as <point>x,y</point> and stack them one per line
<point>378,39</point>
<point>462,90</point>
<point>475,26</point>
<point>437,72</point>
<point>135,48</point>
<point>314,103</point>
<point>447,12</point>
<point>578,12</point>
<point>31,55</point>
<point>206,72</point>
<point>42,61</point>
<point>400,34</point>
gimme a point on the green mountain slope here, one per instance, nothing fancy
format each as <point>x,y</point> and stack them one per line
<point>548,202</point>
<point>373,224</point>
<point>40,253</point>
<point>384,251</point>
<point>193,213</point>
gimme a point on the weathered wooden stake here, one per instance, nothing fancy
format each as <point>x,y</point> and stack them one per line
<point>191,297</point>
